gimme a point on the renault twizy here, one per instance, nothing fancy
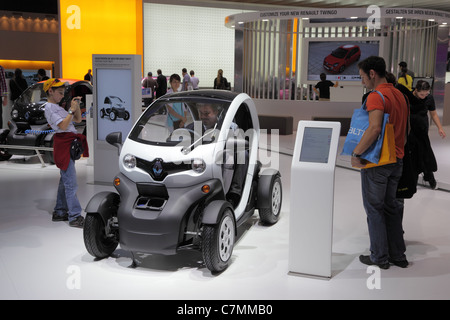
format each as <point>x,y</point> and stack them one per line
<point>186,187</point>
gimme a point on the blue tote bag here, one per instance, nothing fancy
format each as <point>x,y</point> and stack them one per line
<point>358,125</point>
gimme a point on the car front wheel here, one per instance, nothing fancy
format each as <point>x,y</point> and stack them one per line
<point>99,241</point>
<point>218,242</point>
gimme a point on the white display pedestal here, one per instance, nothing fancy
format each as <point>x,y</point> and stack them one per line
<point>312,198</point>
<point>117,84</point>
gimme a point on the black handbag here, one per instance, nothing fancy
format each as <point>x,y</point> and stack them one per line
<point>76,149</point>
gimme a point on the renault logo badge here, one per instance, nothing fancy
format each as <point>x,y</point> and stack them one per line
<point>158,168</point>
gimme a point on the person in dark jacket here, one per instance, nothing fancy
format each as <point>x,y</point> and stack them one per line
<point>161,84</point>
<point>17,85</point>
<point>220,82</point>
<point>421,102</point>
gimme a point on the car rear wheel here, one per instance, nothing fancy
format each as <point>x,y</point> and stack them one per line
<point>98,242</point>
<point>271,214</point>
<point>218,242</point>
<point>126,116</point>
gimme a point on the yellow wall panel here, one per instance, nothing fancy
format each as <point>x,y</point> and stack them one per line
<point>97,27</point>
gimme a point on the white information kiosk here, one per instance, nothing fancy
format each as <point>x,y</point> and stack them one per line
<point>117,105</point>
<point>312,198</point>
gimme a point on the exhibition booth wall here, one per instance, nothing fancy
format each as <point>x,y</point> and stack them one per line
<point>280,54</point>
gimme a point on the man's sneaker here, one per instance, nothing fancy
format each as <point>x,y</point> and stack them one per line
<point>57,217</point>
<point>77,223</point>
<point>401,263</point>
<point>366,260</point>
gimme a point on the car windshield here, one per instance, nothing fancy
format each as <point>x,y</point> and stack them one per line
<point>33,94</point>
<point>183,122</point>
<point>339,53</point>
<point>113,100</point>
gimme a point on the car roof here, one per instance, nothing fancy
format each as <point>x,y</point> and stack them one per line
<point>204,93</point>
<point>69,81</point>
<point>348,46</point>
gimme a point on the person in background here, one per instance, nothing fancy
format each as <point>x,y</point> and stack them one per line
<point>177,111</point>
<point>405,79</point>
<point>67,205</point>
<point>161,84</point>
<point>324,86</point>
<point>18,84</point>
<point>186,85</point>
<point>194,80</point>
<point>404,68</point>
<point>379,184</point>
<point>3,94</point>
<point>88,76</point>
<point>42,75</point>
<point>151,83</point>
<point>220,82</point>
<point>422,103</point>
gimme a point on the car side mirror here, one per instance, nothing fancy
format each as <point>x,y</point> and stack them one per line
<point>115,139</point>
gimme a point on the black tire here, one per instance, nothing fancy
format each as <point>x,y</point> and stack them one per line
<point>275,193</point>
<point>4,154</point>
<point>218,242</point>
<point>127,115</point>
<point>102,113</point>
<point>97,243</point>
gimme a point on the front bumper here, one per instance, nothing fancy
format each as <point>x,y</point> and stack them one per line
<point>153,218</point>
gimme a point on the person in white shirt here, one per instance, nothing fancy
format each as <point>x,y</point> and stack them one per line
<point>194,80</point>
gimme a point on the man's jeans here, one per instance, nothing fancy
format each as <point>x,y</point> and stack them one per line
<point>67,200</point>
<point>384,212</point>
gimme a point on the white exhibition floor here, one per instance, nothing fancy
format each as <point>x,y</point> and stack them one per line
<point>41,259</point>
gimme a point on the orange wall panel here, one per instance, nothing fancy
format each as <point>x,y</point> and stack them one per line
<point>97,27</point>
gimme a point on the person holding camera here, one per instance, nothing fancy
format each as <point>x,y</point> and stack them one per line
<point>67,206</point>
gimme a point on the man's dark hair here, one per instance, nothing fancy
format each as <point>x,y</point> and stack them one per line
<point>374,63</point>
<point>149,74</point>
<point>159,71</point>
<point>184,70</point>
<point>175,76</point>
<point>323,76</point>
<point>422,85</point>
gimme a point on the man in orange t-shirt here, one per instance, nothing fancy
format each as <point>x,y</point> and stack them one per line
<point>379,184</point>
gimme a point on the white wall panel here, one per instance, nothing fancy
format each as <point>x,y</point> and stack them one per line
<point>195,38</point>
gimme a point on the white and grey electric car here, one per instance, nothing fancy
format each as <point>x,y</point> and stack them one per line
<point>189,186</point>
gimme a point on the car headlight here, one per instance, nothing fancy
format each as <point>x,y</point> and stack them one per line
<point>198,165</point>
<point>129,161</point>
<point>335,65</point>
<point>14,114</point>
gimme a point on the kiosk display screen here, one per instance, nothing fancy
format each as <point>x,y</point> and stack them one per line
<point>316,145</point>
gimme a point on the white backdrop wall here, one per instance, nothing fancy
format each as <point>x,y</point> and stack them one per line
<point>195,38</point>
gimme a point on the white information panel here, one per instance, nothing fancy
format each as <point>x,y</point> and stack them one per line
<point>312,198</point>
<point>117,105</point>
